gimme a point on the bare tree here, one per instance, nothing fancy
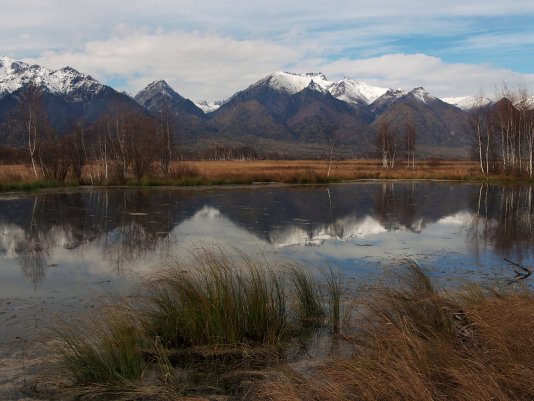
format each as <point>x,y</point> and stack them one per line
<point>387,144</point>
<point>331,158</point>
<point>75,151</point>
<point>54,157</point>
<point>480,121</point>
<point>165,140</point>
<point>140,149</point>
<point>29,120</point>
<point>504,132</point>
<point>410,136</point>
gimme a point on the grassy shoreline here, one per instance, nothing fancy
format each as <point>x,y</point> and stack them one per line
<point>208,173</point>
<point>221,327</point>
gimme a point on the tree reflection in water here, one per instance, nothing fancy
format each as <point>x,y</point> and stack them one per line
<point>129,226</point>
<point>125,224</point>
<point>503,220</point>
<point>396,207</point>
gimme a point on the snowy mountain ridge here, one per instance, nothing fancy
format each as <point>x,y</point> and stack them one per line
<point>347,89</point>
<point>66,81</point>
<point>209,106</point>
<point>161,88</point>
<point>77,86</point>
<point>467,102</point>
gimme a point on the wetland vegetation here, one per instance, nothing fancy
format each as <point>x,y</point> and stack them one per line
<point>220,326</point>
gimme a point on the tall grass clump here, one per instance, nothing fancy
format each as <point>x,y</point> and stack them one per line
<point>333,283</point>
<point>211,307</point>
<point>109,353</point>
<point>417,342</point>
<point>214,299</point>
<point>308,299</point>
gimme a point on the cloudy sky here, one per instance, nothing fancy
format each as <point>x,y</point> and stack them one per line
<point>211,49</point>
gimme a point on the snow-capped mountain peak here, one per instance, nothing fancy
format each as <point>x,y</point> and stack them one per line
<point>291,83</point>
<point>388,98</point>
<point>15,74</point>
<point>421,94</point>
<point>161,86</point>
<point>347,89</point>
<point>9,66</point>
<point>208,107</point>
<point>160,89</point>
<point>314,86</point>
<point>467,102</point>
<point>352,91</point>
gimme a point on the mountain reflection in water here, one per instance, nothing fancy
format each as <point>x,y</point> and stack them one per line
<point>92,235</point>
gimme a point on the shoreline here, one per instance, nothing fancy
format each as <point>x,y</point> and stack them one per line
<point>202,174</point>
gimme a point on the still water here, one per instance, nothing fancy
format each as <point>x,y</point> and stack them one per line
<point>71,247</point>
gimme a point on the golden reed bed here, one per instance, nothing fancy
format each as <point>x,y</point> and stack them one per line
<point>277,171</point>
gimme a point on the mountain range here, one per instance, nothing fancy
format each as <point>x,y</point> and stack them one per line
<point>293,114</point>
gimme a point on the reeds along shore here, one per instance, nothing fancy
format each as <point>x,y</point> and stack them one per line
<point>410,340</point>
<point>210,300</point>
<point>21,177</point>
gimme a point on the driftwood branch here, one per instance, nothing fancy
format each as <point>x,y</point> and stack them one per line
<point>521,274</point>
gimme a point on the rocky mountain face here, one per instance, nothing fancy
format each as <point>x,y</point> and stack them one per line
<point>159,96</point>
<point>300,110</point>
<point>162,101</point>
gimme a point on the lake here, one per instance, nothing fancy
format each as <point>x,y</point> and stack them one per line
<point>63,251</point>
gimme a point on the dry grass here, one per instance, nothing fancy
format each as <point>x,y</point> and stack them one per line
<point>247,172</point>
<point>419,343</point>
<point>10,173</point>
<point>316,170</point>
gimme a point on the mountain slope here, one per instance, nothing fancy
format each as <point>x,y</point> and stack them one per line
<point>161,100</point>
<point>437,123</point>
<point>158,95</point>
<point>291,107</point>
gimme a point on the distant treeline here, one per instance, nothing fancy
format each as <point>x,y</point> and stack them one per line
<point>221,153</point>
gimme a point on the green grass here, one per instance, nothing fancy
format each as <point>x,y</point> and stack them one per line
<point>217,300</point>
<point>35,185</point>
<point>308,299</point>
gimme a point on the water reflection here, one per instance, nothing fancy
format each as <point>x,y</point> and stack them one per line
<point>104,232</point>
<point>503,221</point>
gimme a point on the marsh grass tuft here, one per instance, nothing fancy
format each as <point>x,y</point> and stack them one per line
<point>411,340</point>
<point>216,300</point>
<point>334,282</point>
<point>308,298</point>
<point>109,353</point>
<point>212,308</point>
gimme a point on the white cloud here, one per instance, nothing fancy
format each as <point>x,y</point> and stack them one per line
<point>208,66</point>
<point>439,78</point>
<point>197,65</point>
